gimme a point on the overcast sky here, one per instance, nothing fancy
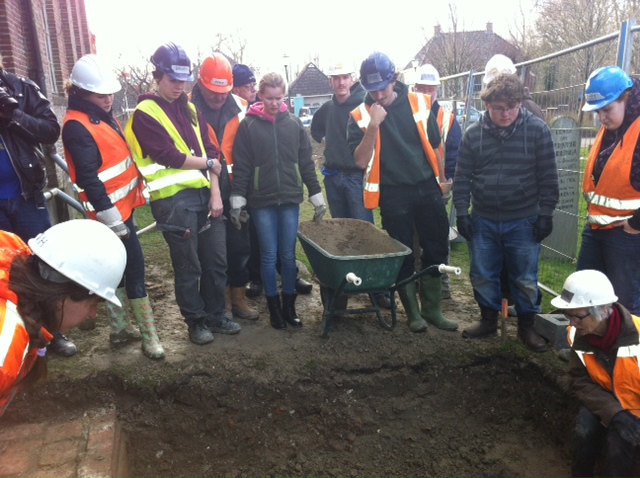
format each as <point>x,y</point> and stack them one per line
<point>128,31</point>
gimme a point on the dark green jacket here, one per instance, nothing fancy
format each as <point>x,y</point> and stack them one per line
<point>272,160</point>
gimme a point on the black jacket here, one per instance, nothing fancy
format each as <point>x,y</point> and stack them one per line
<point>33,123</point>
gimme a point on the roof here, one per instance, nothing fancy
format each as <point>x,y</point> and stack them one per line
<point>310,82</point>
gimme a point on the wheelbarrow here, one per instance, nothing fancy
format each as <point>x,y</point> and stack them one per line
<point>350,257</point>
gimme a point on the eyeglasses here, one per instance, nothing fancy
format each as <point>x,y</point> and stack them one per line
<point>505,110</point>
<point>577,317</point>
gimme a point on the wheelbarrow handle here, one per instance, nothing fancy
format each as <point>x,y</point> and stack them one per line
<point>441,268</point>
<point>354,279</point>
<point>449,269</point>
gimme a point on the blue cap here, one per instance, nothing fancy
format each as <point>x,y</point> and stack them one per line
<point>242,75</point>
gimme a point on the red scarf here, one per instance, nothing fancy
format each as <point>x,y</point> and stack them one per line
<point>613,330</point>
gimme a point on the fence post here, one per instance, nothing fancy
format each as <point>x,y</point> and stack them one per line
<point>625,45</point>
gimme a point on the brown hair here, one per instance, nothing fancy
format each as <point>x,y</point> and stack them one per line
<point>38,298</point>
<point>74,90</point>
<point>272,80</point>
<point>183,101</point>
<point>504,87</point>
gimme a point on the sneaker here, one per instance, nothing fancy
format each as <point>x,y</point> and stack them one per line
<point>62,346</point>
<point>223,326</point>
<point>199,333</point>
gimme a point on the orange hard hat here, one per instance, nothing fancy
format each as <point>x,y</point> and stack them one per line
<point>216,74</point>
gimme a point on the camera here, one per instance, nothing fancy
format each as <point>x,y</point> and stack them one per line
<point>8,104</point>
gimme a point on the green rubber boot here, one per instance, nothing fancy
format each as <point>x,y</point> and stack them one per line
<point>122,331</point>
<point>143,313</point>
<point>431,302</point>
<point>410,303</point>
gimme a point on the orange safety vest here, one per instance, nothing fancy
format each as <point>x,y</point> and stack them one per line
<point>122,180</point>
<point>625,383</point>
<point>445,122</point>
<point>16,359</point>
<point>613,199</point>
<point>421,108</point>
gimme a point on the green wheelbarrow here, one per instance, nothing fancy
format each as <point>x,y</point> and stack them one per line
<point>350,257</point>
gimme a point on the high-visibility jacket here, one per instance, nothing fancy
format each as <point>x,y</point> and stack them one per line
<point>625,383</point>
<point>230,132</point>
<point>162,181</point>
<point>445,122</point>
<point>122,180</point>
<point>16,359</point>
<point>421,108</point>
<point>613,199</point>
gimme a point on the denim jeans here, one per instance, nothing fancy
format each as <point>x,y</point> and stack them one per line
<point>277,229</point>
<point>616,254</point>
<point>134,273</point>
<point>403,208</point>
<point>238,251</point>
<point>199,259</point>
<point>23,218</point>
<point>591,438</point>
<point>510,243</point>
<point>345,196</point>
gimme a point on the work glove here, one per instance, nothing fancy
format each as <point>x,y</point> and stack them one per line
<point>320,207</point>
<point>543,227</point>
<point>465,228</point>
<point>113,220</point>
<point>628,427</point>
<point>237,203</point>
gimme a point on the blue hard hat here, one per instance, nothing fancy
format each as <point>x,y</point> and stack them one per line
<point>604,86</point>
<point>172,60</point>
<point>377,71</point>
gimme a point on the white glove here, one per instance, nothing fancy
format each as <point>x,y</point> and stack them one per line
<point>320,207</point>
<point>113,220</point>
<point>235,215</point>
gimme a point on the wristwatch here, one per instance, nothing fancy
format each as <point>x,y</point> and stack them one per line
<point>209,163</point>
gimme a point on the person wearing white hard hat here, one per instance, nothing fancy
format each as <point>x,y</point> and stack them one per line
<point>95,148</point>
<point>611,184</point>
<point>52,285</point>
<point>604,374</point>
<point>428,83</point>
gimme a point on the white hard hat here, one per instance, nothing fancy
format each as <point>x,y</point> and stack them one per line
<point>586,288</point>
<point>341,68</point>
<point>428,75</point>
<point>496,65</point>
<point>85,251</point>
<point>89,74</point>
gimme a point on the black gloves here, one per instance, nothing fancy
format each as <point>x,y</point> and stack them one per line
<point>543,227</point>
<point>628,426</point>
<point>465,228</point>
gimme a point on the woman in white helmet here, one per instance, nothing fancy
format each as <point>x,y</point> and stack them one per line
<point>611,184</point>
<point>51,285</point>
<point>604,374</point>
<point>110,188</point>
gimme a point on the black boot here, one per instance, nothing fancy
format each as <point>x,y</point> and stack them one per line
<point>303,286</point>
<point>289,310</point>
<point>528,334</point>
<point>275,312</point>
<point>487,327</point>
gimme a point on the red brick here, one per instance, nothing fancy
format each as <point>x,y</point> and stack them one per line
<point>65,430</point>
<point>61,452</point>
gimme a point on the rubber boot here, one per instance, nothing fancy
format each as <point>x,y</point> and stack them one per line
<point>289,310</point>
<point>487,327</point>
<point>275,312</point>
<point>410,303</point>
<point>143,313</point>
<point>122,331</point>
<point>446,286</point>
<point>228,303</point>
<point>528,334</point>
<point>239,305</point>
<point>431,303</point>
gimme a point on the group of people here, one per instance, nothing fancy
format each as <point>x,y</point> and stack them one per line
<point>222,167</point>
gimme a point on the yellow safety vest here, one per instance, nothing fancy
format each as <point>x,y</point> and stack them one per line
<point>162,181</point>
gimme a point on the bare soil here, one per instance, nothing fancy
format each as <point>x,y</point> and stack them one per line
<point>362,401</point>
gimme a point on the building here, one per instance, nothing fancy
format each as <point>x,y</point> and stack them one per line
<point>309,90</point>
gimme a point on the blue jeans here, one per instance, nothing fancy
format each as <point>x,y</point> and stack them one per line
<point>277,229</point>
<point>134,273</point>
<point>513,244</point>
<point>199,259</point>
<point>345,196</point>
<point>616,254</point>
<point>591,438</point>
<point>23,218</point>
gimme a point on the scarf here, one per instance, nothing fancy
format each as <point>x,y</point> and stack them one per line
<point>613,330</point>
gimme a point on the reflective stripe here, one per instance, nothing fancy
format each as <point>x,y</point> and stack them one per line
<point>629,351</point>
<point>10,321</point>
<point>423,111</point>
<point>606,220</point>
<point>372,188</point>
<point>612,203</point>
<point>173,179</point>
<point>116,195</point>
<point>580,354</point>
<point>230,168</point>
